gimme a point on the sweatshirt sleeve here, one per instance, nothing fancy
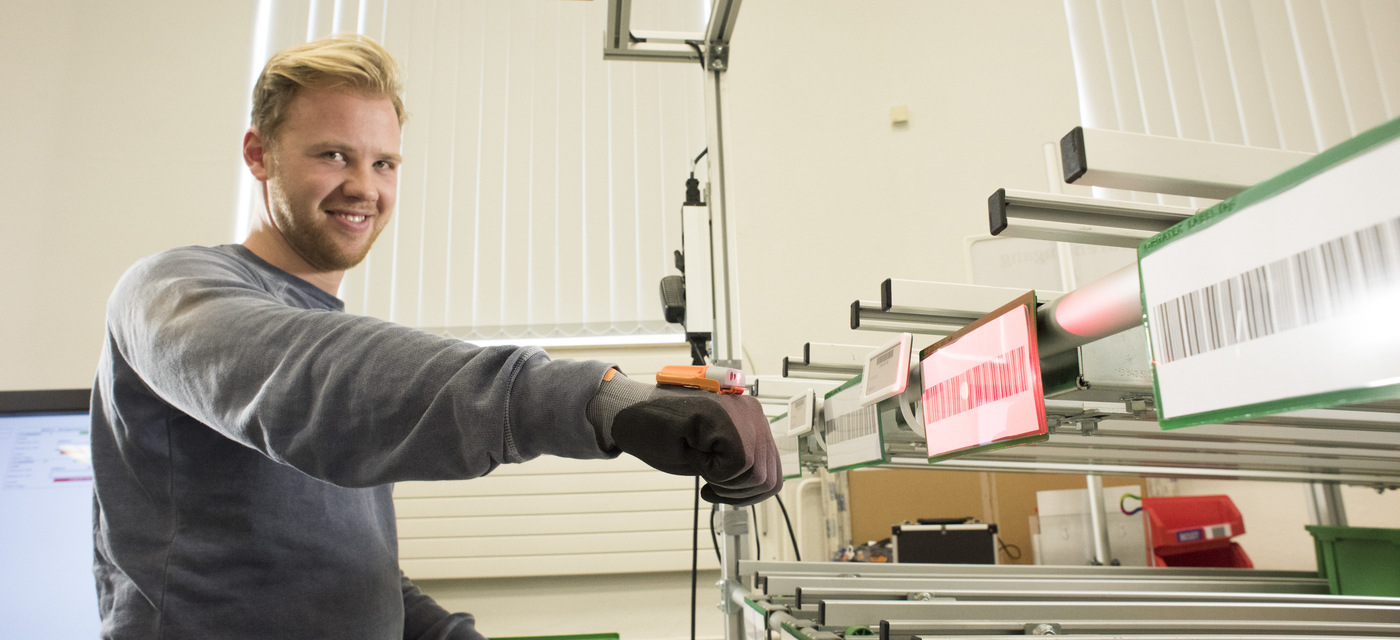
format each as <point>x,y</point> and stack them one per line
<point>348,399</point>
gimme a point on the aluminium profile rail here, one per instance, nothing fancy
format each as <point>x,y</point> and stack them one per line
<point>762,568</point>
<point>783,388</point>
<point>827,361</point>
<point>868,316</point>
<point>812,596</point>
<point>830,601</point>
<point>1161,164</point>
<point>1136,629</point>
<point>932,308</point>
<point>805,586</point>
<point>1064,218</point>
<point>852,613</point>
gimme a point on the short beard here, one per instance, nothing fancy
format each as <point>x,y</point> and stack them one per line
<point>314,244</point>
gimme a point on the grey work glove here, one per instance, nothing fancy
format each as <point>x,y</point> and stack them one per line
<point>724,439</point>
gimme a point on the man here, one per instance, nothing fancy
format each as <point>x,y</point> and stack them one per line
<point>246,430</point>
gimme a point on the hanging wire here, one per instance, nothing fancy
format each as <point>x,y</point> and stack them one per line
<point>698,51</point>
<point>713,540</point>
<point>1007,548</point>
<point>792,535</point>
<point>694,556</point>
<point>757,548</point>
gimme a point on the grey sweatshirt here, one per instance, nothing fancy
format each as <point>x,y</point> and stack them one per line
<point>245,435</point>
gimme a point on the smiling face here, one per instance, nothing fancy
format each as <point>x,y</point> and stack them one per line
<point>331,179</point>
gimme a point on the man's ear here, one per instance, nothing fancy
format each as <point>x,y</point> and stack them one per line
<point>256,155</point>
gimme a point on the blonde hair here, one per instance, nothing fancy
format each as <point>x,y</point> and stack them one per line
<point>351,61</point>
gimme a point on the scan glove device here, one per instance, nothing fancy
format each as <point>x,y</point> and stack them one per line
<point>690,427</point>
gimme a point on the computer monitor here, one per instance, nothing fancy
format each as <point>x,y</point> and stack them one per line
<point>46,583</point>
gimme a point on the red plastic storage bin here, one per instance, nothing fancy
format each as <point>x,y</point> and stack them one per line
<point>1195,531</point>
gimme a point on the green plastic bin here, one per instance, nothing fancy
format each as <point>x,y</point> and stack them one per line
<point>1358,561</point>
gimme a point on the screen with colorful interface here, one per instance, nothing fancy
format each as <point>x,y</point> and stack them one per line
<point>981,385</point>
<point>46,586</point>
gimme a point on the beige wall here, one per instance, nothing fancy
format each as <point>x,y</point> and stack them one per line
<point>120,125</point>
<point>830,198</point>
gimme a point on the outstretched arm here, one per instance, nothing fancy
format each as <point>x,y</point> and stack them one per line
<point>348,399</point>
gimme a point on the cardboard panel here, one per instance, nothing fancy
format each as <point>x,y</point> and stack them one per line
<point>881,498</point>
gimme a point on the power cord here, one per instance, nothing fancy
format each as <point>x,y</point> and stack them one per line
<point>714,540</point>
<point>791,535</point>
<point>758,551</point>
<point>692,185</point>
<point>757,548</point>
<point>1006,549</point>
<point>694,556</point>
<point>698,51</point>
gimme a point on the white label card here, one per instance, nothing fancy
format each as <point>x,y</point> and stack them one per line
<point>852,431</point>
<point>755,628</point>
<point>1293,296</point>
<point>787,445</point>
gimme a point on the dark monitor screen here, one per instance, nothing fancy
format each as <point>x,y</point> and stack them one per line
<point>46,585</point>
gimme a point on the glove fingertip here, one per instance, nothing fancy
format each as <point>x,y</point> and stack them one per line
<point>709,494</point>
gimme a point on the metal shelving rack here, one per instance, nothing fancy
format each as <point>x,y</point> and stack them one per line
<point>1099,410</point>
<point>1102,421</point>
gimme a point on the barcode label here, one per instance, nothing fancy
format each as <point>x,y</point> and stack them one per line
<point>856,424</point>
<point>992,380</point>
<point>786,444</point>
<point>1329,280</point>
<point>1218,531</point>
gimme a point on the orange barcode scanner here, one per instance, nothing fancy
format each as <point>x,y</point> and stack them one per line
<point>707,378</point>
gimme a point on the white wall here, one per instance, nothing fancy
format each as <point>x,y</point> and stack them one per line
<point>120,125</point>
<point>830,198</point>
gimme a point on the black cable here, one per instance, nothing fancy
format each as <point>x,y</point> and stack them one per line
<point>757,548</point>
<point>698,51</point>
<point>789,526</point>
<point>698,354</point>
<point>713,540</point>
<point>694,556</point>
<point>1006,548</point>
<point>692,189</point>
